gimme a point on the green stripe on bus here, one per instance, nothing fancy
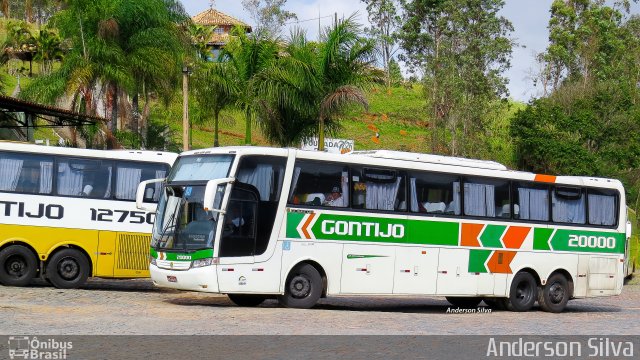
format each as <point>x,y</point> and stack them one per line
<point>588,241</point>
<point>293,220</point>
<point>477,258</point>
<point>335,226</point>
<point>491,236</point>
<point>541,238</point>
<point>173,256</point>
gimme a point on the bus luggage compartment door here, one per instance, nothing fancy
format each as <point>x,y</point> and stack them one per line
<point>367,269</point>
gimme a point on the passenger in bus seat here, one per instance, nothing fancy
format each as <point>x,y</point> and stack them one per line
<point>334,198</point>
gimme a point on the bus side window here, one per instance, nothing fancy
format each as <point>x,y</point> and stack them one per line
<point>76,177</point>
<point>530,201</point>
<point>568,205</point>
<point>130,174</point>
<point>25,173</point>
<point>602,207</point>
<point>487,197</point>
<point>378,189</point>
<point>319,184</point>
<point>434,193</point>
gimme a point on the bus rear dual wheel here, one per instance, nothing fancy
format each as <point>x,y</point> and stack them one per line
<point>552,297</point>
<point>18,266</point>
<point>67,269</point>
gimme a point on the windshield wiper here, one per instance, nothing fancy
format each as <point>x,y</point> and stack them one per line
<point>170,225</point>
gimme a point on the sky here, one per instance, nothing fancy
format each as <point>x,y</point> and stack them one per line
<point>529,19</point>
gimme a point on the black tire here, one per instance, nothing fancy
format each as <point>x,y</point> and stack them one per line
<point>464,302</point>
<point>553,297</point>
<point>18,266</point>
<point>246,300</point>
<point>68,269</point>
<point>303,288</point>
<point>523,293</point>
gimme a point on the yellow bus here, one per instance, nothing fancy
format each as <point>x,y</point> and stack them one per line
<point>67,214</point>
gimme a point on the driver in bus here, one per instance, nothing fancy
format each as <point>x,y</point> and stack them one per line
<point>233,221</point>
<point>334,198</point>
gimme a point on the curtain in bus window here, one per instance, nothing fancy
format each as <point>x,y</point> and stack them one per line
<point>127,183</point>
<point>294,182</point>
<point>261,177</point>
<point>602,209</point>
<point>107,192</point>
<point>414,195</point>
<point>382,196</point>
<point>158,186</point>
<point>568,210</point>
<point>70,179</point>
<point>343,201</point>
<point>10,170</point>
<point>454,206</point>
<point>534,204</point>
<point>46,176</point>
<point>479,200</point>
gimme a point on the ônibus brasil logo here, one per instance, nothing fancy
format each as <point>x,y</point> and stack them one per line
<point>26,347</point>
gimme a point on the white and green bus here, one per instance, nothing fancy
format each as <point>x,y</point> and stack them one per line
<point>257,223</point>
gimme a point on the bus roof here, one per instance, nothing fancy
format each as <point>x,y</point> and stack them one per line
<point>434,159</point>
<point>135,155</point>
<point>438,163</point>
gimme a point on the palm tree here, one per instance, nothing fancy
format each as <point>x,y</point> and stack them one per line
<point>200,37</point>
<point>214,90</point>
<point>119,49</point>
<point>154,42</point>
<point>313,83</point>
<point>248,56</point>
<point>48,49</point>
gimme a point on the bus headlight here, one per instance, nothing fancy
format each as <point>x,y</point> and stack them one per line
<point>201,262</point>
<point>152,260</point>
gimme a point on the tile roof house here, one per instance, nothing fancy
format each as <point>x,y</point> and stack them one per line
<point>223,24</point>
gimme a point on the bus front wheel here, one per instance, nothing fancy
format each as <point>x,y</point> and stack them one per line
<point>553,297</point>
<point>303,288</point>
<point>68,269</point>
<point>522,295</point>
<point>18,266</point>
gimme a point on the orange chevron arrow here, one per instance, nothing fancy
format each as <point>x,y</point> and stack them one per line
<point>470,234</point>
<point>500,262</point>
<point>514,237</point>
<point>305,226</point>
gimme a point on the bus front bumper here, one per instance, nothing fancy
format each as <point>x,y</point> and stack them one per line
<point>199,279</point>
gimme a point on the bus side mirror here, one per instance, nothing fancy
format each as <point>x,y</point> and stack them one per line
<point>628,229</point>
<point>141,192</point>
<point>211,190</point>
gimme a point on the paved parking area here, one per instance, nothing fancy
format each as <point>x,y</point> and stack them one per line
<point>117,307</point>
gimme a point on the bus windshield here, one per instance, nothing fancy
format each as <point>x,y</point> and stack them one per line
<point>201,168</point>
<point>182,223</point>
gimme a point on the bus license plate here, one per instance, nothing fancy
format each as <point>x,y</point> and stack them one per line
<point>172,278</point>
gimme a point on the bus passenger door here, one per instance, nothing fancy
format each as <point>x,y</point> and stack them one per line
<point>237,270</point>
<point>367,269</point>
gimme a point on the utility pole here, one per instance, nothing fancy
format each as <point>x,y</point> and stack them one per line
<point>185,109</point>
